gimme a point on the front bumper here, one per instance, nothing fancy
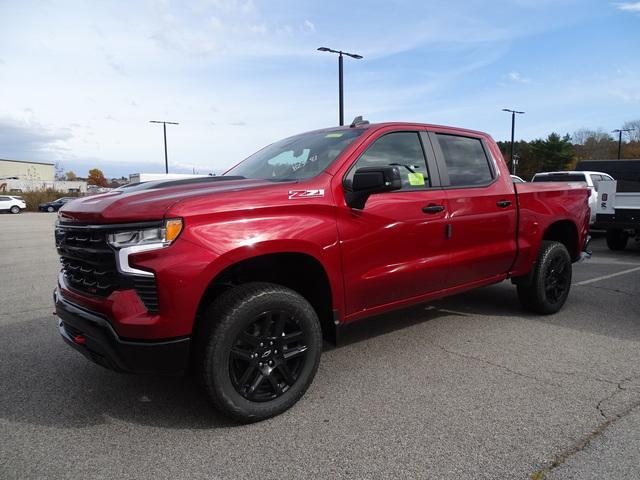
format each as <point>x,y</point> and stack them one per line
<point>93,336</point>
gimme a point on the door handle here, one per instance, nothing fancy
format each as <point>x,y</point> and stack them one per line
<point>433,208</point>
<point>503,203</point>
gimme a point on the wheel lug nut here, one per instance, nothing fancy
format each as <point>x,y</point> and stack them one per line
<point>261,344</point>
<point>275,352</point>
<point>283,334</point>
<point>259,364</point>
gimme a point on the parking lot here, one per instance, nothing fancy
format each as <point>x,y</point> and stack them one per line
<point>466,387</point>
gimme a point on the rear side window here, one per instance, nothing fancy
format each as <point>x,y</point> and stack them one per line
<point>466,160</point>
<point>401,149</point>
<point>560,177</point>
<point>4,199</point>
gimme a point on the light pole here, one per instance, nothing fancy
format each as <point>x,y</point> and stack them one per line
<point>513,129</point>
<point>619,132</point>
<point>340,76</point>
<point>164,128</point>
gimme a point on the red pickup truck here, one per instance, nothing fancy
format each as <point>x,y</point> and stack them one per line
<point>239,276</point>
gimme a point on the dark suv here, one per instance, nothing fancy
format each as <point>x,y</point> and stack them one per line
<point>55,205</point>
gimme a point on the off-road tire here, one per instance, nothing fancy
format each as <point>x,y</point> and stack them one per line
<point>222,324</point>
<point>551,282</point>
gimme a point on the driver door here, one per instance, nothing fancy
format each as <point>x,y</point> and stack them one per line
<point>395,248</point>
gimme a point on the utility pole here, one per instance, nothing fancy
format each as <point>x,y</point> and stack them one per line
<point>164,128</point>
<point>513,129</point>
<point>340,77</point>
<point>619,132</point>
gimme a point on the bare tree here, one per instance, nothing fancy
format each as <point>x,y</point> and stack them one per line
<point>634,134</point>
<point>585,135</point>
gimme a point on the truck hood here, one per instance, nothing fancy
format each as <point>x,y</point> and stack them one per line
<point>150,200</point>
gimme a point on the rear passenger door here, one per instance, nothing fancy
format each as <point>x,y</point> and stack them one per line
<point>481,209</point>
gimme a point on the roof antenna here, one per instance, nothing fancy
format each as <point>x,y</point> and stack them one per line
<point>358,121</point>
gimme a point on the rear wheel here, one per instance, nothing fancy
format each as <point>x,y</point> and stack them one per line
<point>15,209</point>
<point>617,239</point>
<point>50,209</point>
<point>258,350</point>
<point>551,282</point>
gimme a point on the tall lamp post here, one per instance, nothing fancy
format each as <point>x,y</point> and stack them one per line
<point>513,129</point>
<point>164,128</point>
<point>340,76</point>
<point>619,132</point>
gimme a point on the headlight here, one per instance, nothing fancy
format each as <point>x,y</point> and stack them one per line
<point>161,236</point>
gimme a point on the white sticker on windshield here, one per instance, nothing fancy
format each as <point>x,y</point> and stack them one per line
<point>293,194</point>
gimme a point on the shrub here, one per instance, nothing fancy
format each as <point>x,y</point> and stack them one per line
<point>35,198</point>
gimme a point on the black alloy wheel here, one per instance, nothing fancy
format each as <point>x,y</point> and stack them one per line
<point>557,278</point>
<point>548,288</point>
<point>257,349</point>
<point>267,356</point>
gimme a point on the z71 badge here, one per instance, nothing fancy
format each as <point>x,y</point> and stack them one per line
<point>293,194</point>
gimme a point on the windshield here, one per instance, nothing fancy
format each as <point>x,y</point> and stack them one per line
<point>560,177</point>
<point>296,158</point>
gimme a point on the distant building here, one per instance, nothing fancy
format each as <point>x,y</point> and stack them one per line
<point>21,176</point>
<point>24,170</point>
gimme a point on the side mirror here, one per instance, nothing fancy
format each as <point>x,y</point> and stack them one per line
<point>370,180</point>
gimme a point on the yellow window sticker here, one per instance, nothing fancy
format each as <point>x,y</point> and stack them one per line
<point>416,178</point>
<point>333,135</point>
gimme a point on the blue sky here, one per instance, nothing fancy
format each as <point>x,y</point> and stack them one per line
<point>81,80</point>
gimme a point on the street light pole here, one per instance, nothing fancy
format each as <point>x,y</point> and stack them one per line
<point>164,128</point>
<point>513,129</point>
<point>619,132</point>
<point>340,77</point>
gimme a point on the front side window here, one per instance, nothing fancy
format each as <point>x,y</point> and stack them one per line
<point>400,149</point>
<point>296,158</point>
<point>465,159</point>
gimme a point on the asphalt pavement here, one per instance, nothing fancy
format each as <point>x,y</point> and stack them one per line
<point>467,387</point>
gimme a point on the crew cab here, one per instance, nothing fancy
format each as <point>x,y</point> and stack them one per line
<point>240,276</point>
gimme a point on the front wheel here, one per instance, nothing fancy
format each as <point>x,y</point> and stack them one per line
<point>551,282</point>
<point>50,209</point>
<point>258,350</point>
<point>15,209</point>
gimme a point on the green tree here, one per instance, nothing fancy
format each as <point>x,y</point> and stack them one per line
<point>554,153</point>
<point>71,176</point>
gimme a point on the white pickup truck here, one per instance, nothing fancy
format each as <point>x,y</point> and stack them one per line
<point>619,213</point>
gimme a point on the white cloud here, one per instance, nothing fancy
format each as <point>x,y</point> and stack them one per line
<point>629,6</point>
<point>518,78</point>
<point>309,26</point>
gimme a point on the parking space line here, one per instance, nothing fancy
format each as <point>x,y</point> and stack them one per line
<point>604,277</point>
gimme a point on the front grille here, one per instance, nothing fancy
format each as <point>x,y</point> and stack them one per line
<point>89,265</point>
